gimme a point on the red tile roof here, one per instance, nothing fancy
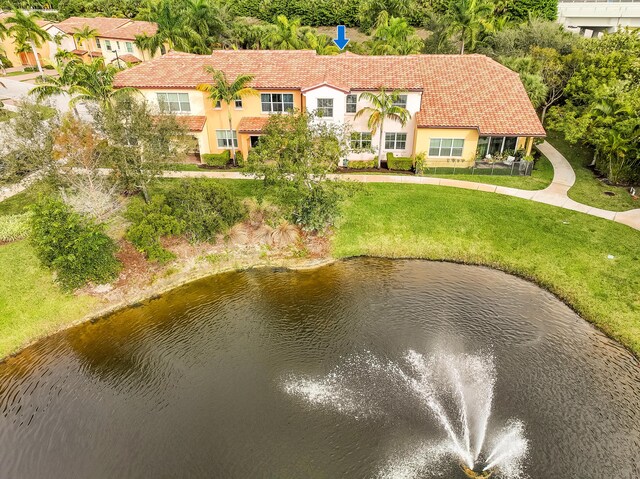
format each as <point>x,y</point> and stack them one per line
<point>469,91</point>
<point>79,52</point>
<point>118,28</point>
<point>252,124</point>
<point>129,58</point>
<point>192,123</point>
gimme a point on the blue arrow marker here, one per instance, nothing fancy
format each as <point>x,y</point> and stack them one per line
<point>342,40</point>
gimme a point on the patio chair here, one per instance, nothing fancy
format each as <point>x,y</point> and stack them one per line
<point>510,160</point>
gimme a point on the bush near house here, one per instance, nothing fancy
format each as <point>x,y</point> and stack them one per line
<point>14,227</point>
<point>399,162</point>
<point>72,245</point>
<point>216,159</point>
<point>239,158</point>
<point>361,164</point>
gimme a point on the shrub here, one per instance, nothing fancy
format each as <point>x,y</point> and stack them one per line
<point>14,227</point>
<point>239,158</point>
<point>72,245</point>
<point>205,207</point>
<point>318,208</point>
<point>149,222</point>
<point>399,162</point>
<point>361,164</point>
<point>216,159</point>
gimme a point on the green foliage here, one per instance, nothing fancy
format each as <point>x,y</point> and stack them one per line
<point>149,222</point>
<point>205,208</point>
<point>361,164</point>
<point>239,158</point>
<point>317,208</point>
<point>73,246</point>
<point>518,40</point>
<point>522,10</point>
<point>14,227</point>
<point>216,159</point>
<point>399,162</point>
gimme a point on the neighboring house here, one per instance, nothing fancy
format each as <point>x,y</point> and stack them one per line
<point>115,38</point>
<point>462,106</point>
<point>26,58</point>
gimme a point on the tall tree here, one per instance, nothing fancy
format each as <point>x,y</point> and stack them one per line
<point>172,27</point>
<point>469,19</point>
<point>85,34</point>
<point>284,34</point>
<point>24,27</point>
<point>383,107</point>
<point>221,90</point>
<point>394,36</point>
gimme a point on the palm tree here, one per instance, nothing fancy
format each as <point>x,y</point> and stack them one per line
<point>283,34</point>
<point>172,28</point>
<point>382,107</point>
<point>85,34</point>
<point>61,85</point>
<point>469,18</point>
<point>220,90</point>
<point>394,36</point>
<point>24,27</point>
<point>322,44</point>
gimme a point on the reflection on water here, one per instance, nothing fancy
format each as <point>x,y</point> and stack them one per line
<point>190,385</point>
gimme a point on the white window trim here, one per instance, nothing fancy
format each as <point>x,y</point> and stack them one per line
<point>395,140</point>
<point>235,104</point>
<point>181,111</point>
<point>226,138</point>
<point>440,148</point>
<point>218,105</point>
<point>321,108</point>
<point>359,140</point>
<point>347,104</point>
<point>271,112</point>
<point>402,104</point>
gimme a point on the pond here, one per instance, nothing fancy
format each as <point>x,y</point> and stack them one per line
<point>363,368</point>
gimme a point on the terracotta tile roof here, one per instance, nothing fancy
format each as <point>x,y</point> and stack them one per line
<point>469,91</point>
<point>95,54</point>
<point>129,58</point>
<point>79,52</point>
<point>118,28</point>
<point>252,124</point>
<point>192,123</point>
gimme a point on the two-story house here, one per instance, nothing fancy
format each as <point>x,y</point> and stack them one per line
<point>461,106</point>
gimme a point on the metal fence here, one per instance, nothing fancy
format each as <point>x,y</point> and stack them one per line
<point>517,168</point>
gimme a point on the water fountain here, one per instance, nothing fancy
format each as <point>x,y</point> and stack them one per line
<point>456,391</point>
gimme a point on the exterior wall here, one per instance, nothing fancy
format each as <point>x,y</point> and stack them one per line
<point>470,136</point>
<point>119,46</point>
<point>360,125</point>
<point>27,59</point>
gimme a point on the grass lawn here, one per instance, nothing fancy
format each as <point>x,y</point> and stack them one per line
<point>32,305</point>
<point>588,189</point>
<point>562,250</point>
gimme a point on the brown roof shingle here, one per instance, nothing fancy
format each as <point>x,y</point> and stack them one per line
<point>471,91</point>
<point>252,124</point>
<point>192,122</point>
<point>118,28</point>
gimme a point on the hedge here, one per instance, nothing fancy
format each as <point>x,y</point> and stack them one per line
<point>361,164</point>
<point>216,159</point>
<point>14,227</point>
<point>399,162</point>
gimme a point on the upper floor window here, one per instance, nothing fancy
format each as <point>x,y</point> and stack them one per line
<point>225,137</point>
<point>238,104</point>
<point>218,105</point>
<point>98,43</point>
<point>107,43</point>
<point>163,50</point>
<point>276,102</point>
<point>446,147</point>
<point>129,47</point>
<point>360,140</point>
<point>401,101</point>
<point>118,45</point>
<point>395,141</point>
<point>174,102</point>
<point>325,107</point>
<point>352,102</point>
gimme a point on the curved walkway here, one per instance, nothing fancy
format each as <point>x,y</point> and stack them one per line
<point>555,194</point>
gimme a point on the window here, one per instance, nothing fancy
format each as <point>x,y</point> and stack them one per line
<point>401,101</point>
<point>98,43</point>
<point>129,47</point>
<point>239,104</point>
<point>276,102</point>
<point>108,44</point>
<point>395,141</point>
<point>163,50</point>
<point>446,147</point>
<point>325,107</point>
<point>224,138</point>
<point>495,145</point>
<point>352,102</point>
<point>174,102</point>
<point>217,105</point>
<point>118,45</point>
<point>360,140</point>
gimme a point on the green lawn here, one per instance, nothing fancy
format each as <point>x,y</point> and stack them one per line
<point>588,189</point>
<point>562,250</point>
<point>32,305</point>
